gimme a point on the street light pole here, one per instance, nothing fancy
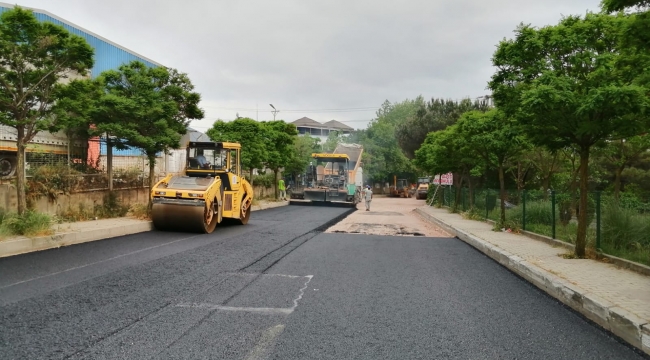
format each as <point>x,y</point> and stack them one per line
<point>275,111</point>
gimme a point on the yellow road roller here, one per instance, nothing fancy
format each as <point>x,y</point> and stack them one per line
<point>211,191</point>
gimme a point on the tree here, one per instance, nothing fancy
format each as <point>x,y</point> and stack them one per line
<point>303,147</point>
<point>332,141</point>
<point>382,156</point>
<point>618,5</point>
<point>496,139</point>
<point>434,115</point>
<point>279,137</point>
<point>149,108</point>
<point>250,134</point>
<point>624,153</point>
<point>34,58</point>
<point>561,83</point>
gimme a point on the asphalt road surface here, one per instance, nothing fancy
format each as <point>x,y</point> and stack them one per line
<point>279,288</point>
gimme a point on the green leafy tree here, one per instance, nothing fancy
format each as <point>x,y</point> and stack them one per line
<point>562,84</point>
<point>624,153</point>
<point>34,58</point>
<point>434,115</point>
<point>250,134</point>
<point>279,137</point>
<point>303,147</point>
<point>382,156</point>
<point>496,139</point>
<point>333,139</point>
<point>149,108</point>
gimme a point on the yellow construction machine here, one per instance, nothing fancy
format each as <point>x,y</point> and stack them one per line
<point>211,191</point>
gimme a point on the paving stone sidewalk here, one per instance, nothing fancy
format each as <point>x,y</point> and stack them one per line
<point>603,292</point>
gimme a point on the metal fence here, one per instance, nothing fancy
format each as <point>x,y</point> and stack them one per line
<point>620,227</point>
<point>82,165</point>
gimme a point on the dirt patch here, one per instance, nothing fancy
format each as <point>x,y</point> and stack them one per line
<point>390,217</point>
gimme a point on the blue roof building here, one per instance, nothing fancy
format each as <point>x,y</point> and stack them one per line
<point>108,55</point>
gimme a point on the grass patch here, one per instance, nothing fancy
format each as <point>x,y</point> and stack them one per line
<point>626,233</point>
<point>140,211</point>
<point>31,223</point>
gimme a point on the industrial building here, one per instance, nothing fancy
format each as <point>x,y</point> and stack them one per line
<point>108,56</point>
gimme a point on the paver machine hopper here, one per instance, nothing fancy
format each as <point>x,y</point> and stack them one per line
<point>211,190</point>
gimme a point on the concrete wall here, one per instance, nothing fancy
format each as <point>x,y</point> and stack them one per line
<point>88,199</point>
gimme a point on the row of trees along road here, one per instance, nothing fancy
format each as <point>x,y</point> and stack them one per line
<point>563,93</point>
<point>271,144</point>
<point>145,108</point>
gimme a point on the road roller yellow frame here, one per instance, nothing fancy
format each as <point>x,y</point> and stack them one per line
<point>211,191</point>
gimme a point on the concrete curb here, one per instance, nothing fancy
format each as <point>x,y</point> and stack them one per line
<point>627,326</point>
<point>23,245</point>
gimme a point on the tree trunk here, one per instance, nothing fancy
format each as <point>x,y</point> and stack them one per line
<point>109,163</point>
<point>546,183</point>
<point>617,182</point>
<point>252,169</point>
<point>470,185</point>
<point>581,239</point>
<point>21,196</point>
<point>152,180</point>
<point>458,186</point>
<point>502,188</point>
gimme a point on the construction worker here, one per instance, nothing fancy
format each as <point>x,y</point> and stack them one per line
<point>283,190</point>
<point>367,195</point>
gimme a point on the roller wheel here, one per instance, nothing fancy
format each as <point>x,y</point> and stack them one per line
<point>244,214</point>
<point>211,217</point>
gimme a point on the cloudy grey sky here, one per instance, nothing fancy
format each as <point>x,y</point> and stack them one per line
<point>309,57</point>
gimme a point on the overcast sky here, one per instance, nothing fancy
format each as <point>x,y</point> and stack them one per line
<point>308,57</point>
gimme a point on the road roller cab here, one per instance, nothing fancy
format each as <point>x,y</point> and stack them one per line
<point>212,190</point>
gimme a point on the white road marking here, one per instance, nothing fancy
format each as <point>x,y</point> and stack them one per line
<point>302,292</point>
<point>269,311</point>
<point>259,310</point>
<point>263,347</point>
<point>97,262</point>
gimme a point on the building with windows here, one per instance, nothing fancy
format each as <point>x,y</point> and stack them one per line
<point>315,129</point>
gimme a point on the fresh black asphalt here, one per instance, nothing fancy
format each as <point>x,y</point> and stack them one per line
<point>278,288</point>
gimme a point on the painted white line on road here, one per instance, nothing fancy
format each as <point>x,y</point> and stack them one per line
<point>263,347</point>
<point>268,311</point>
<point>96,262</point>
<point>302,292</point>
<point>269,275</point>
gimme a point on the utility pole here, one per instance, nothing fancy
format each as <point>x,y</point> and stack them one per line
<point>275,111</point>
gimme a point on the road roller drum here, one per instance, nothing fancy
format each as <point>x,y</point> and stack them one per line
<point>212,190</point>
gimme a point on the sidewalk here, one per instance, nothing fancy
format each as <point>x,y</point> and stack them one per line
<point>85,231</point>
<point>614,298</point>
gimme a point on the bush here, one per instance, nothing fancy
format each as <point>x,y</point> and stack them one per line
<point>266,180</point>
<point>28,224</point>
<point>624,228</point>
<point>537,212</point>
<point>112,207</point>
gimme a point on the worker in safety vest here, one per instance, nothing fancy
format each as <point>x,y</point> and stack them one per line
<point>283,190</point>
